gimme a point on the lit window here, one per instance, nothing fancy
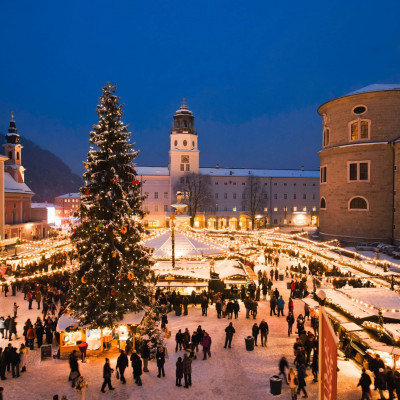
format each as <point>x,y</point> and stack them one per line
<point>266,209</point>
<point>275,209</point>
<point>360,129</point>
<point>314,208</point>
<point>294,208</point>
<point>234,209</point>
<point>304,208</point>
<point>358,203</point>
<point>358,171</point>
<point>323,174</point>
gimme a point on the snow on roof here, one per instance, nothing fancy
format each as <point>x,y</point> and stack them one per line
<point>184,246</point>
<point>66,321</point>
<point>132,318</point>
<point>267,173</point>
<point>69,195</point>
<point>161,171</point>
<point>12,186</point>
<point>229,268</point>
<point>377,87</point>
<point>42,205</point>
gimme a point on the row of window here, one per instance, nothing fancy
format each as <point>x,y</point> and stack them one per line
<point>156,195</point>
<point>357,171</point>
<point>285,196</point>
<point>355,203</point>
<point>265,184</point>
<point>184,143</point>
<point>156,208</point>
<point>71,200</point>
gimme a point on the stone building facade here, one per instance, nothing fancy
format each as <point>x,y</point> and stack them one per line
<point>289,197</point>
<point>359,165</point>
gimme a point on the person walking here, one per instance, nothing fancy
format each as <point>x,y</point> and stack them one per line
<point>74,367</point>
<point>22,357</point>
<point>206,342</point>
<point>145,353</point>
<point>290,322</point>
<point>281,304</point>
<point>301,375</point>
<point>283,365</point>
<point>160,357</point>
<point>264,330</point>
<point>179,371</point>
<point>80,388</point>
<point>380,383</point>
<point>293,382</point>
<point>272,305</point>
<point>29,297</point>
<point>137,369</point>
<point>365,383</point>
<point>187,370</point>
<point>107,371</point>
<point>122,364</point>
<point>38,297</point>
<point>229,332</point>
<point>255,330</point>
<point>15,308</point>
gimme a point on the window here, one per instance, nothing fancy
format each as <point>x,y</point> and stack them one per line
<point>326,137</point>
<point>265,184</point>
<point>225,195</point>
<point>216,183</point>
<point>17,155</point>
<point>182,179</point>
<point>216,195</point>
<point>243,183</point>
<point>184,159</point>
<point>285,196</point>
<point>314,208</point>
<point>265,195</point>
<point>275,196</point>
<point>275,221</point>
<point>275,209</point>
<point>360,129</point>
<point>10,154</point>
<point>322,172</point>
<point>358,203</point>
<point>187,167</point>
<point>225,183</point>
<point>156,208</point>
<point>193,144</point>
<point>294,196</point>
<point>225,208</point>
<point>176,143</point>
<point>294,208</point>
<point>304,196</point>
<point>285,184</point>
<point>185,142</point>
<point>275,184</point>
<point>182,167</point>
<point>294,184</point>
<point>304,208</point>
<point>358,110</point>
<point>234,183</point>
<point>285,209</point>
<point>234,195</point>
<point>165,195</point>
<point>166,207</point>
<point>323,203</point>
<point>234,209</point>
<point>266,209</point>
<point>243,195</point>
<point>313,196</point>
<point>156,195</point>
<point>358,171</point>
<point>304,184</point>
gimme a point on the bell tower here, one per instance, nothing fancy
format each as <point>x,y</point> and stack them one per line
<point>183,153</point>
<point>13,151</point>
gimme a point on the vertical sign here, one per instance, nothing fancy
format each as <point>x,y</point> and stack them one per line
<point>327,358</point>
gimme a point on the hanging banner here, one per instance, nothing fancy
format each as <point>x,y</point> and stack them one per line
<point>327,358</point>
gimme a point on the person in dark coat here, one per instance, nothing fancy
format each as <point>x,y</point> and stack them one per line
<point>122,364</point>
<point>187,370</point>
<point>145,353</point>
<point>290,322</point>
<point>380,382</point>
<point>195,340</point>
<point>301,375</point>
<point>185,303</point>
<point>179,371</point>
<point>179,340</point>
<point>283,364</point>
<point>272,305</point>
<point>218,307</point>
<point>39,329</point>
<point>74,366</point>
<point>229,332</point>
<point>365,383</point>
<point>2,365</point>
<point>107,371</point>
<point>206,342</point>
<point>137,368</point>
<point>236,308</point>
<point>264,330</point>
<point>229,309</point>
<point>160,357</point>
<point>254,332</point>
<point>204,306</point>
<point>15,359</point>
<point>390,381</point>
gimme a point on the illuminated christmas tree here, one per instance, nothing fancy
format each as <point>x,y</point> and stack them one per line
<point>113,267</point>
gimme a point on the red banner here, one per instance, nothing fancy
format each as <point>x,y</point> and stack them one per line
<point>327,358</point>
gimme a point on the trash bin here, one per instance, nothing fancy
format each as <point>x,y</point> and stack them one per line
<point>275,385</point>
<point>281,277</point>
<point>249,343</point>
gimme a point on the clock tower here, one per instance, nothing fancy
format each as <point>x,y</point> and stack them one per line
<point>183,153</point>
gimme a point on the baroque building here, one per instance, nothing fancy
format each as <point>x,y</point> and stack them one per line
<point>359,165</point>
<point>288,197</point>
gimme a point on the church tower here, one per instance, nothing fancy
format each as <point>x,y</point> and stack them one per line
<point>184,153</point>
<point>13,151</point>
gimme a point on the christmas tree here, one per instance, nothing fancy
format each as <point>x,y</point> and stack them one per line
<point>113,267</point>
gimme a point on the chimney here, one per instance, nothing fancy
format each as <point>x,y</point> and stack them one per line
<point>217,166</point>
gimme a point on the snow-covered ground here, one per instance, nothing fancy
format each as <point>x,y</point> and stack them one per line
<point>229,374</point>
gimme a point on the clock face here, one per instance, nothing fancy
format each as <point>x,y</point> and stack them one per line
<point>185,159</point>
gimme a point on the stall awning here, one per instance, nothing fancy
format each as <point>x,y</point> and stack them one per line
<point>310,302</point>
<point>182,284</point>
<point>351,327</point>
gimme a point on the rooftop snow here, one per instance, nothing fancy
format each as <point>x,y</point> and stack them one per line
<point>41,205</point>
<point>377,87</point>
<point>162,171</point>
<point>69,195</point>
<point>12,186</point>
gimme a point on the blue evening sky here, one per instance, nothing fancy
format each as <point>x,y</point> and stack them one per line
<point>253,72</point>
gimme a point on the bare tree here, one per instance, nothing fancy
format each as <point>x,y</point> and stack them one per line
<point>254,198</point>
<point>197,193</point>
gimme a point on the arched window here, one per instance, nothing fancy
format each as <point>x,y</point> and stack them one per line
<point>323,203</point>
<point>184,124</point>
<point>359,129</point>
<point>358,203</point>
<point>176,143</point>
<point>326,137</point>
<point>185,142</point>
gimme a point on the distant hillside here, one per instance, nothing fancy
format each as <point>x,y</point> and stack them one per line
<point>46,174</point>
